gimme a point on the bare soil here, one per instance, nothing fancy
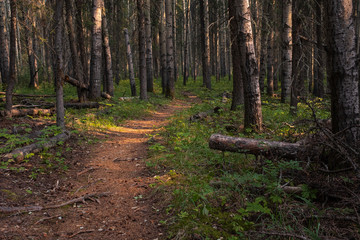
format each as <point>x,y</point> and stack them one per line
<point>114,165</point>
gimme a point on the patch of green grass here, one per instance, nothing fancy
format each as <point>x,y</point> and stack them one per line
<point>227,195</point>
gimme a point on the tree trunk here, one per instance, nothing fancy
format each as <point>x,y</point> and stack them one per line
<point>4,46</point>
<point>270,50</point>
<point>249,67</point>
<point>263,51</point>
<point>238,84</point>
<point>186,6</point>
<point>174,40</point>
<point>81,41</point>
<point>297,61</point>
<point>12,69</point>
<point>59,82</point>
<point>170,87</point>
<point>130,62</point>
<point>77,66</point>
<point>109,79</point>
<point>30,46</point>
<point>142,49</point>
<point>319,63</point>
<point>96,51</point>
<point>343,69</point>
<point>286,49</point>
<point>205,42</point>
<point>149,49</point>
<point>270,149</point>
<point>162,36</point>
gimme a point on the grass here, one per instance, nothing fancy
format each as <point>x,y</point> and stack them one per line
<point>210,194</point>
<point>221,195</point>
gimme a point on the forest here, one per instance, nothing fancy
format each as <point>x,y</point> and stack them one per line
<point>179,119</point>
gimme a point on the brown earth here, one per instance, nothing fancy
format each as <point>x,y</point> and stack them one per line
<point>115,165</point>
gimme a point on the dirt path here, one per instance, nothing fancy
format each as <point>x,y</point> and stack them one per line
<point>115,165</point>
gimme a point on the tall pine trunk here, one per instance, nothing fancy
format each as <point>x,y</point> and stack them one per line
<point>4,44</point>
<point>59,62</point>
<point>142,49</point>
<point>162,36</point>
<point>149,49</point>
<point>170,87</point>
<point>286,49</point>
<point>249,67</point>
<point>96,51</point>
<point>109,79</point>
<point>130,63</point>
<point>75,54</point>
<point>205,42</point>
<point>343,69</point>
<point>12,67</point>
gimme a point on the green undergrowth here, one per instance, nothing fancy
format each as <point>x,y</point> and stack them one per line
<point>81,122</point>
<point>222,195</point>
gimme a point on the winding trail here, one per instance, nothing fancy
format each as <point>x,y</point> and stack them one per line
<point>116,164</point>
<point>119,168</point>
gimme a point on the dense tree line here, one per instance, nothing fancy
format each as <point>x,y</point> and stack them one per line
<point>302,47</point>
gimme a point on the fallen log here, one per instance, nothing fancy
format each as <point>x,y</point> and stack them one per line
<point>39,208</point>
<point>20,153</point>
<point>266,148</point>
<point>77,83</point>
<point>25,112</point>
<point>105,95</point>
<point>29,95</point>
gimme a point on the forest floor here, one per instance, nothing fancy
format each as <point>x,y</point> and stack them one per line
<point>114,164</point>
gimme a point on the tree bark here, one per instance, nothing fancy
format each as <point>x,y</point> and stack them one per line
<point>142,49</point>
<point>238,84</point>
<point>30,45</point>
<point>286,49</point>
<point>81,41</point>
<point>249,67</point>
<point>130,63</point>
<point>75,54</point>
<point>59,82</point>
<point>186,6</point>
<point>170,87</point>
<point>96,51</point>
<point>149,50</point>
<point>297,61</point>
<point>4,45</point>
<point>319,51</point>
<point>263,44</point>
<point>270,149</point>
<point>343,69</point>
<point>109,86</point>
<point>205,42</point>
<point>270,50</point>
<point>162,36</point>
<point>12,69</point>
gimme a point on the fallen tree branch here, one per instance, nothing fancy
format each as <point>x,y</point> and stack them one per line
<point>266,148</point>
<point>75,82</point>
<point>25,112</point>
<point>29,95</point>
<point>39,208</point>
<point>82,231</point>
<point>20,153</point>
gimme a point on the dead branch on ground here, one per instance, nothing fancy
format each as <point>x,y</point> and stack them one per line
<point>39,208</point>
